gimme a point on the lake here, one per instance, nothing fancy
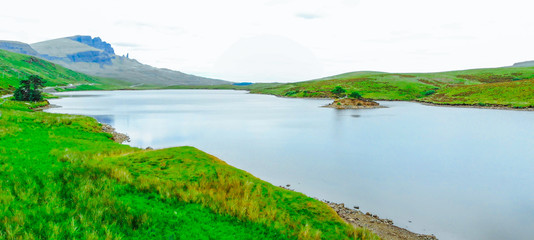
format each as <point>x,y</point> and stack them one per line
<point>458,173</point>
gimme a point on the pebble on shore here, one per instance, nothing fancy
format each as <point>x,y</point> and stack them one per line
<point>117,137</point>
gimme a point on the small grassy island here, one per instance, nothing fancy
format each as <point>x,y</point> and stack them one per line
<point>351,103</point>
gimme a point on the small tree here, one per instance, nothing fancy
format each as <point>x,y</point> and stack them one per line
<point>355,95</point>
<point>29,89</point>
<point>338,91</point>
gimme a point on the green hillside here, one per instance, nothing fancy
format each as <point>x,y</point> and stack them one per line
<point>61,177</point>
<point>15,67</point>
<point>475,85</point>
<point>518,94</point>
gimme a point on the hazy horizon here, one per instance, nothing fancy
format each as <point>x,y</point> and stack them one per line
<point>289,40</point>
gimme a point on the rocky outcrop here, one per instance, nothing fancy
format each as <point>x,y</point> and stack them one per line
<point>94,42</point>
<point>352,103</point>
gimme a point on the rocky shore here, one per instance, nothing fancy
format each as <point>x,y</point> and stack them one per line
<point>497,107</point>
<point>352,103</point>
<point>382,227</point>
<point>117,137</point>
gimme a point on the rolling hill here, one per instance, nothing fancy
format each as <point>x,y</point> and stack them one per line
<point>506,87</point>
<point>524,64</point>
<point>95,57</point>
<point>15,67</point>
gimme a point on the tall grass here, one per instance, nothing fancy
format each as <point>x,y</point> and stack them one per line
<point>195,177</point>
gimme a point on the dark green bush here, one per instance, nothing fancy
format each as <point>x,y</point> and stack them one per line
<point>338,91</point>
<point>29,89</point>
<point>429,92</point>
<point>291,93</point>
<point>355,95</point>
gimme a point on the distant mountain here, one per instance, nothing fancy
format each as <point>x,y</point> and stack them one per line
<point>524,64</point>
<point>96,57</point>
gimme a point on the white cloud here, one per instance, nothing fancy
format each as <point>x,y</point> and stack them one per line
<point>343,35</point>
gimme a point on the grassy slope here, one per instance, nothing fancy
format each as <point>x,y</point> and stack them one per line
<point>416,86</point>
<point>14,67</point>
<point>519,94</point>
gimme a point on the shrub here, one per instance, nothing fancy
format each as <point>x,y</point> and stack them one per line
<point>355,95</point>
<point>291,93</point>
<point>29,89</point>
<point>429,92</point>
<point>338,91</point>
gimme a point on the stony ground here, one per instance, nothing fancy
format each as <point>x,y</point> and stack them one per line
<point>117,137</point>
<point>382,227</point>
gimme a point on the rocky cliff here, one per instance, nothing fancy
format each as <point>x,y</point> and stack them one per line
<point>94,42</point>
<point>524,64</point>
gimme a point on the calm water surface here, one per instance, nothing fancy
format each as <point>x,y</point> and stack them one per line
<point>459,173</point>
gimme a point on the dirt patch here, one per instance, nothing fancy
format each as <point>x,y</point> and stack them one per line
<point>34,60</point>
<point>428,82</point>
<point>487,78</point>
<point>404,75</point>
<point>351,103</point>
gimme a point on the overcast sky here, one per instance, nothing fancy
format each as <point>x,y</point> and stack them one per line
<point>288,40</point>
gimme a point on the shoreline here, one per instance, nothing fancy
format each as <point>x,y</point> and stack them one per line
<point>383,227</point>
<point>459,105</point>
